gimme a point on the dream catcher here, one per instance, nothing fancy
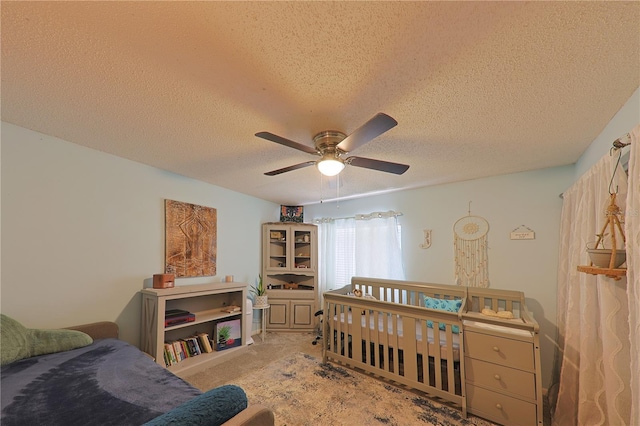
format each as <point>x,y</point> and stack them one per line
<point>470,245</point>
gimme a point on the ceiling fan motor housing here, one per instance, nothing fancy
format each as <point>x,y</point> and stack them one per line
<point>327,142</point>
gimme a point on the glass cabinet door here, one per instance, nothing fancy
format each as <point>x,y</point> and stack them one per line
<point>303,249</point>
<point>277,248</point>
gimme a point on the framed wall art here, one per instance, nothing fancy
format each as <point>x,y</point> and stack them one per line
<point>291,214</point>
<point>190,239</point>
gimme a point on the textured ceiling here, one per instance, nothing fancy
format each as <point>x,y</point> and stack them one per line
<point>478,88</point>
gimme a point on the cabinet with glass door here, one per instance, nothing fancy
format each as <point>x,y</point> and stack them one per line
<point>290,274</point>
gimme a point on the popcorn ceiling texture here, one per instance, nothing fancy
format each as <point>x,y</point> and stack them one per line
<point>478,88</point>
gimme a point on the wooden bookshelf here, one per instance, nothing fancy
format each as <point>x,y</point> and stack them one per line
<point>208,303</point>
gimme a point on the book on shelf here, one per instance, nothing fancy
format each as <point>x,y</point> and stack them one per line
<point>177,346</point>
<point>232,309</point>
<point>178,350</point>
<point>170,353</point>
<point>179,319</point>
<point>194,348</point>
<point>205,343</point>
<point>167,361</point>
<point>185,349</point>
<point>169,313</point>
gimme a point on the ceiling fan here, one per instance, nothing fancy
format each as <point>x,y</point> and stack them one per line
<point>330,145</point>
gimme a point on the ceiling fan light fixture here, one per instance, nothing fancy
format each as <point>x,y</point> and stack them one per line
<point>330,166</point>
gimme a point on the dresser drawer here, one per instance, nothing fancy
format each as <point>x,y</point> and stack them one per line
<point>499,350</point>
<point>500,408</point>
<point>500,378</point>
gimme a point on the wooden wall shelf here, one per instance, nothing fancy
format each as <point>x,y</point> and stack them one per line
<point>616,274</point>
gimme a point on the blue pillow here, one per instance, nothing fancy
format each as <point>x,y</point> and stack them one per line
<point>213,407</point>
<point>443,305</point>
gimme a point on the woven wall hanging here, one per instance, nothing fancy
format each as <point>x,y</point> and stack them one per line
<point>470,245</point>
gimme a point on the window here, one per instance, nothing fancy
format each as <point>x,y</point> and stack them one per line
<point>365,245</point>
<point>345,259</point>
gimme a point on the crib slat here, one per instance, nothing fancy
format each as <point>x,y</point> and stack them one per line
<point>356,334</point>
<point>509,305</point>
<point>340,330</point>
<point>393,345</point>
<point>437,355</point>
<point>379,354</point>
<point>424,343</point>
<point>410,353</point>
<point>451,381</point>
<point>385,360</point>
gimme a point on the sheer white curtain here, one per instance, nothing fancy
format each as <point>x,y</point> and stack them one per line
<point>378,246</point>
<point>593,327</point>
<point>364,245</point>
<point>336,253</point>
<point>632,230</point>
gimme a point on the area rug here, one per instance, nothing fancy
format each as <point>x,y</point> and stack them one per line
<point>301,391</point>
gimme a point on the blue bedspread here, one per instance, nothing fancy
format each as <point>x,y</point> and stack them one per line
<point>106,383</point>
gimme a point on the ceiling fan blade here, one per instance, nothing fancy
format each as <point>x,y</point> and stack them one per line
<point>290,168</point>
<point>286,142</point>
<point>383,166</point>
<point>373,128</point>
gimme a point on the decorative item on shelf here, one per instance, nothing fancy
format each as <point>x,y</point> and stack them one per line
<point>291,214</point>
<point>608,261</point>
<point>260,292</point>
<point>163,280</point>
<point>602,258</point>
<point>232,309</point>
<point>228,334</point>
<point>290,286</point>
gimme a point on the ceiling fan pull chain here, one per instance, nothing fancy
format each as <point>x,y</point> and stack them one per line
<point>338,191</point>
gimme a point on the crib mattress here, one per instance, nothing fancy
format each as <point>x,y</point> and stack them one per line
<point>442,335</point>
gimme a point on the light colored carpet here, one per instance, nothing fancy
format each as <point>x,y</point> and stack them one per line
<point>286,374</point>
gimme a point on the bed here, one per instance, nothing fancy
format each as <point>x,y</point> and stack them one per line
<point>425,337</point>
<point>86,375</point>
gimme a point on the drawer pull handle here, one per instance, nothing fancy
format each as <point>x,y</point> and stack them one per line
<point>499,406</point>
<point>496,349</point>
<point>497,377</point>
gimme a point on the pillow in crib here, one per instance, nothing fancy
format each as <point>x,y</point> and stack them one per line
<point>443,305</point>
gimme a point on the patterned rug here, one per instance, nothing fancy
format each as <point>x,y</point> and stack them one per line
<point>303,391</point>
